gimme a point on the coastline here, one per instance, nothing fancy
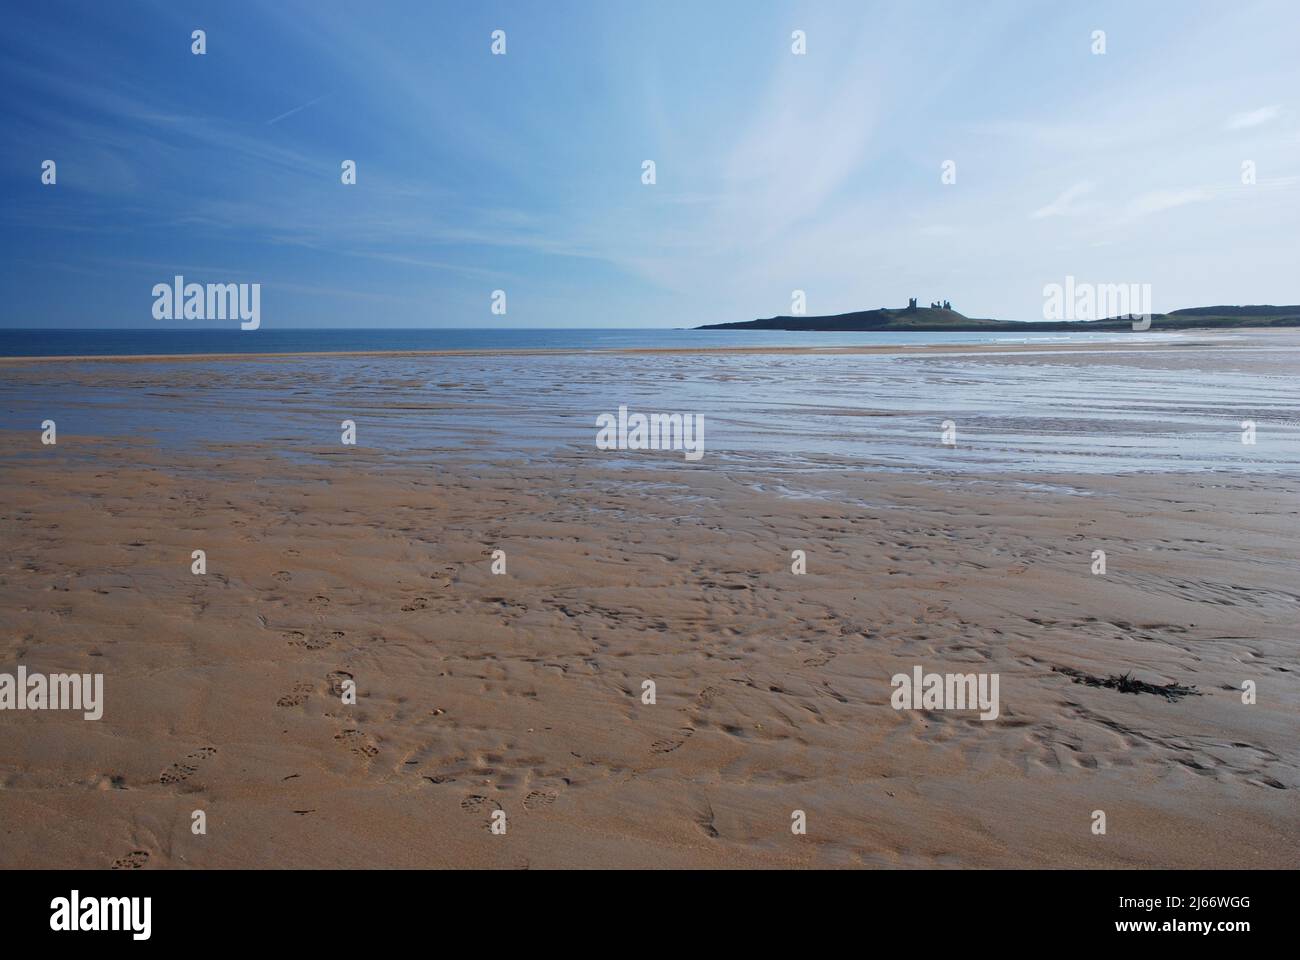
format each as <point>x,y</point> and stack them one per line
<point>830,350</point>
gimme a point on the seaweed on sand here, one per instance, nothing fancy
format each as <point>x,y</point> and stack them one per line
<point>1127,683</point>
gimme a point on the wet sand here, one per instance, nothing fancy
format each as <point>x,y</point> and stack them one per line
<point>522,692</point>
<point>1191,339</point>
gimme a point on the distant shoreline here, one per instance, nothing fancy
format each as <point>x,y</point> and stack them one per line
<point>774,349</point>
<point>947,320</point>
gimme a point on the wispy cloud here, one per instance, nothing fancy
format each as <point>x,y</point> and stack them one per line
<point>1064,205</point>
<point>1157,201</point>
<point>1253,118</point>
<point>290,113</point>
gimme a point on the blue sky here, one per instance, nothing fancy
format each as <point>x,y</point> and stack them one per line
<point>522,172</point>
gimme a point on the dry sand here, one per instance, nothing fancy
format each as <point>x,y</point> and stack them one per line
<point>522,692</point>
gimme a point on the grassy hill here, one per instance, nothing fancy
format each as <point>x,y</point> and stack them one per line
<point>928,318</point>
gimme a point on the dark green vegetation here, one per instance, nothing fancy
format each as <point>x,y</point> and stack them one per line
<point>929,318</point>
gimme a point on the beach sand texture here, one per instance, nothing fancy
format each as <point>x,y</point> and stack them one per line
<point>522,692</point>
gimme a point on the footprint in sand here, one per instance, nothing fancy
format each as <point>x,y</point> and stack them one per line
<point>284,576</point>
<point>336,680</point>
<point>182,770</point>
<point>706,696</point>
<point>319,600</point>
<point>538,799</point>
<point>417,603</point>
<point>295,697</point>
<point>358,743</point>
<point>296,638</point>
<point>444,578</point>
<point>132,861</point>
<point>668,746</point>
<point>475,803</point>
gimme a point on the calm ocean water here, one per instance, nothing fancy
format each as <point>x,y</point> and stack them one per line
<point>117,343</point>
<point>1169,405</point>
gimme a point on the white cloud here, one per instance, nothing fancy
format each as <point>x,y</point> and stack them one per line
<point>1063,206</point>
<point>1159,200</point>
<point>1253,118</point>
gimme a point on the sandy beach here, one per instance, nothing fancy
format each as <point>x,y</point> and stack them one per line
<point>522,692</point>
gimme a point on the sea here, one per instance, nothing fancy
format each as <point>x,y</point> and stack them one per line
<point>1177,401</point>
<point>150,342</point>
